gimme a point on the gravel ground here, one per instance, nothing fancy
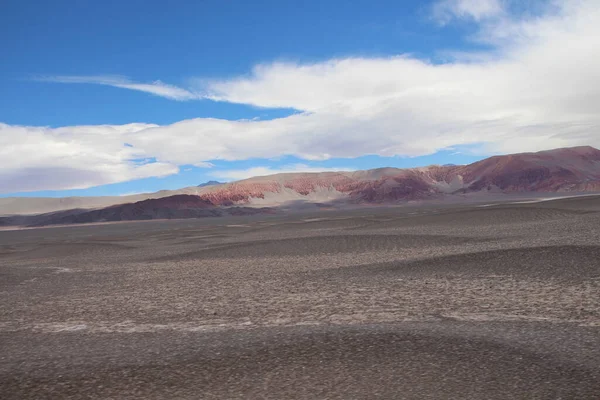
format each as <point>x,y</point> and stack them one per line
<point>413,302</point>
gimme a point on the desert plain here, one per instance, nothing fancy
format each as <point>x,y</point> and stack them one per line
<point>438,301</point>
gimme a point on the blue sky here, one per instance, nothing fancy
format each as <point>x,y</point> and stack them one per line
<point>148,41</point>
<point>221,89</point>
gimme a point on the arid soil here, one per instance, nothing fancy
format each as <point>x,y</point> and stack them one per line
<point>432,302</point>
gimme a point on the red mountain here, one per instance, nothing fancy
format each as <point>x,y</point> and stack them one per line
<point>573,169</point>
<point>563,170</point>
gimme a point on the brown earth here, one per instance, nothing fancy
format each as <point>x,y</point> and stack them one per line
<point>412,303</point>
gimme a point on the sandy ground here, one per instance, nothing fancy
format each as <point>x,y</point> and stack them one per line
<point>432,302</point>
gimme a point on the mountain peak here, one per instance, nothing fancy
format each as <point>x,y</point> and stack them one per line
<point>210,183</point>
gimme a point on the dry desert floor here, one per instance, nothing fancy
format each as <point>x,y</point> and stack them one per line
<point>415,302</point>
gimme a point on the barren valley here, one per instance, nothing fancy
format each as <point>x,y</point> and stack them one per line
<point>437,301</point>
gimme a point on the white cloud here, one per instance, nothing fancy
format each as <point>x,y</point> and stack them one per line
<point>156,88</point>
<point>238,174</point>
<point>538,89</point>
<point>446,10</point>
<point>38,158</point>
<point>131,194</point>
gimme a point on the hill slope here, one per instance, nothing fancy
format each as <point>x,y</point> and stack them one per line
<point>562,170</point>
<point>572,169</point>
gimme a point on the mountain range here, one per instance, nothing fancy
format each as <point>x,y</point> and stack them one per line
<point>210,183</point>
<point>573,170</point>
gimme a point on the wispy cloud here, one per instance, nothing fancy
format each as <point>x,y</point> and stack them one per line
<point>238,174</point>
<point>156,88</point>
<point>132,193</point>
<point>445,10</point>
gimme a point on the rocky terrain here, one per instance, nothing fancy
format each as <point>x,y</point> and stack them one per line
<point>427,301</point>
<point>569,170</point>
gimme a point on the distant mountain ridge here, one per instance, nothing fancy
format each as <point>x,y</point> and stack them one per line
<point>210,183</point>
<point>574,169</point>
<point>179,206</point>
